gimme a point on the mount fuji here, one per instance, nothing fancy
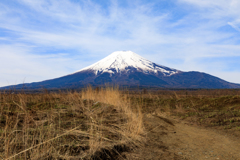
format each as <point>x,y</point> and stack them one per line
<point>127,61</point>
<point>126,68</point>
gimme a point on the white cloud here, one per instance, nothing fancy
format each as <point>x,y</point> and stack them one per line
<point>217,9</point>
<point>19,65</point>
<point>94,32</point>
<point>235,25</point>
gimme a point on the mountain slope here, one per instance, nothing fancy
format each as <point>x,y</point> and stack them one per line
<point>125,68</point>
<point>126,60</point>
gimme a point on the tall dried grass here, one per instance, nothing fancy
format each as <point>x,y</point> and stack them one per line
<point>85,125</point>
<point>111,95</point>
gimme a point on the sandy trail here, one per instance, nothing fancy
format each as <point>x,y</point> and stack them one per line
<point>173,139</point>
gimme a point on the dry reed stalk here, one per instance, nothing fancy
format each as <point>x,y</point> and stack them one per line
<point>113,96</point>
<point>24,151</point>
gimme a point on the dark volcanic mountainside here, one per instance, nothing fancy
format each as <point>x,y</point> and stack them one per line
<point>126,68</point>
<point>198,80</point>
<point>180,80</point>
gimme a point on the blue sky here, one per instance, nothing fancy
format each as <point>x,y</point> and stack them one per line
<point>46,39</point>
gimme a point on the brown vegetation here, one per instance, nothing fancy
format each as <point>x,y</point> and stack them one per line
<point>91,125</point>
<point>219,109</point>
<point>106,123</point>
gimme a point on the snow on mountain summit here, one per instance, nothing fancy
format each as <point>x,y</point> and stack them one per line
<point>120,61</point>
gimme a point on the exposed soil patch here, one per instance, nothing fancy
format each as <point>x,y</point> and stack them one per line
<point>180,140</point>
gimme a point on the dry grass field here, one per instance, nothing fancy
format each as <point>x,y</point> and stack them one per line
<point>107,123</point>
<point>94,124</point>
<point>210,108</point>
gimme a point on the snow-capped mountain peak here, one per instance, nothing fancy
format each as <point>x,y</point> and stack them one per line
<point>127,69</point>
<point>123,60</point>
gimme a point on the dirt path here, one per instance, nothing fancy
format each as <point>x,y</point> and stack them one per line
<point>172,139</point>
